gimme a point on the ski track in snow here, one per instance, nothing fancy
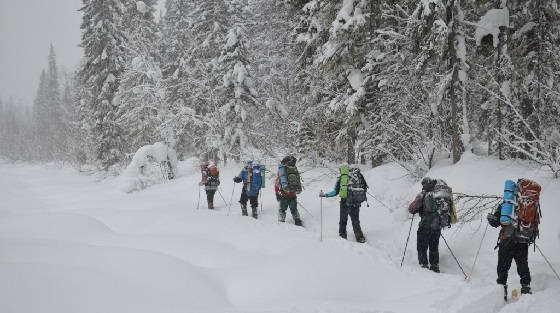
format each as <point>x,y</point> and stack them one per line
<point>75,243</point>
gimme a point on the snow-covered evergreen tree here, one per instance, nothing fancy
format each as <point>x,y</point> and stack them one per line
<point>235,116</point>
<point>103,41</point>
<point>141,95</point>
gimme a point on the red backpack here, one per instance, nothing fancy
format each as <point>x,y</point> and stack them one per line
<point>528,210</point>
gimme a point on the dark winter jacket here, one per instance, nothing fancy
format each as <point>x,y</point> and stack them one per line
<point>212,182</point>
<point>507,232</point>
<point>425,205</point>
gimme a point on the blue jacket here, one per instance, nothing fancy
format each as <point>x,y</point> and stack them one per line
<point>336,189</point>
<point>255,183</point>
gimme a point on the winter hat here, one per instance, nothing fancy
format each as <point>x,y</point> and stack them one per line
<point>428,183</point>
<point>289,160</point>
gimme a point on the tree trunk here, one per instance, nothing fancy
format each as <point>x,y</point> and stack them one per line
<point>502,76</point>
<point>454,66</point>
<point>351,133</point>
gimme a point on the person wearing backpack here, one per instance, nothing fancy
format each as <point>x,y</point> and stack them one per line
<point>519,217</point>
<point>435,206</point>
<point>210,181</point>
<point>351,187</point>
<point>251,177</point>
<point>287,186</point>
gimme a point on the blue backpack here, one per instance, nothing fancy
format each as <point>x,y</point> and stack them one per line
<point>252,178</point>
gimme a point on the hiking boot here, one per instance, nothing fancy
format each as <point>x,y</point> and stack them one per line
<point>424,265</point>
<point>343,235</point>
<point>211,205</point>
<point>298,222</point>
<point>434,268</point>
<point>526,290</point>
<point>360,237</point>
<point>244,210</point>
<point>255,213</point>
<point>281,217</point>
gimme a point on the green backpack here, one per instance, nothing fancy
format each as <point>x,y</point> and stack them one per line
<point>343,193</point>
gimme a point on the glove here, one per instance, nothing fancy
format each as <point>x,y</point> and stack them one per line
<point>237,179</point>
<point>278,197</point>
<point>493,220</point>
<point>321,194</point>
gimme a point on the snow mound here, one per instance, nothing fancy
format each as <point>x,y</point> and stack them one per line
<point>58,276</point>
<point>151,164</point>
<point>141,7</point>
<point>490,24</point>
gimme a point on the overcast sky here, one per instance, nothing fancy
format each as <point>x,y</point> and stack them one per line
<point>27,27</point>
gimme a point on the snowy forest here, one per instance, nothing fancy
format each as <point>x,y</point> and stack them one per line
<point>356,81</point>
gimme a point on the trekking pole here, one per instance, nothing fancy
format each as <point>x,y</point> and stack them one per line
<point>383,204</point>
<point>321,199</point>
<point>477,253</point>
<point>198,203</point>
<point>448,247</point>
<point>550,265</point>
<point>301,205</point>
<point>231,199</point>
<point>221,196</point>
<point>407,238</point>
<point>260,196</point>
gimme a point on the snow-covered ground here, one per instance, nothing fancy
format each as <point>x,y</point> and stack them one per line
<point>70,242</point>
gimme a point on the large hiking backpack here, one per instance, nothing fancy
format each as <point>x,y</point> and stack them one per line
<point>521,208</point>
<point>212,177</point>
<point>357,187</point>
<point>204,172</point>
<point>290,180</point>
<point>441,200</point>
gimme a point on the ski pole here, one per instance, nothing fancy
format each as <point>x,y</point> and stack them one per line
<point>383,204</point>
<point>448,247</point>
<point>407,238</point>
<point>260,196</point>
<point>477,253</point>
<point>301,205</point>
<point>231,199</point>
<point>550,265</point>
<point>198,203</point>
<point>221,196</point>
<point>321,199</point>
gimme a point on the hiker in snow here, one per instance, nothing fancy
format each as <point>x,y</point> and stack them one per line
<point>251,177</point>
<point>519,217</point>
<point>351,187</point>
<point>286,187</point>
<point>210,181</point>
<point>435,206</point>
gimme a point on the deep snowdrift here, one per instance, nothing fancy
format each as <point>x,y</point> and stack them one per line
<point>74,243</point>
